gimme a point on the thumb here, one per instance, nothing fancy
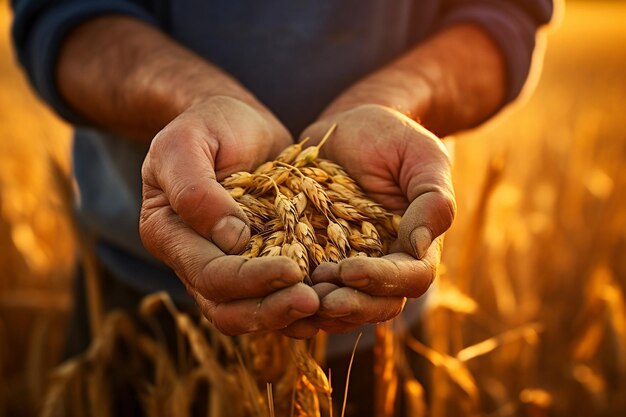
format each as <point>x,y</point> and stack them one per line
<point>181,166</point>
<point>427,217</point>
<point>430,191</point>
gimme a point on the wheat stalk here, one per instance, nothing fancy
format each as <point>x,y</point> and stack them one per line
<point>309,209</point>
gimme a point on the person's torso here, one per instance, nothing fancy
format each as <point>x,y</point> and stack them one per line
<point>295,56</point>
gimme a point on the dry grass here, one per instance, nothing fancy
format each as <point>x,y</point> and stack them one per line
<point>36,245</point>
<point>528,318</point>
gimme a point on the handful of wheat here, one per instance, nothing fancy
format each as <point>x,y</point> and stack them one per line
<point>309,209</point>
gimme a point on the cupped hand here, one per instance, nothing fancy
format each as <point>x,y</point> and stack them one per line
<point>407,169</point>
<point>189,221</point>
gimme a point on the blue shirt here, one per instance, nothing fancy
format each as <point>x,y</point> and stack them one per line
<point>295,56</point>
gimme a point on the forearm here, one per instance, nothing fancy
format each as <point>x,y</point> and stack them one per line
<point>125,76</point>
<point>453,81</point>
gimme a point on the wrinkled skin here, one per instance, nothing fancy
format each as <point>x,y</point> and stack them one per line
<point>405,168</point>
<point>189,221</point>
<point>192,223</point>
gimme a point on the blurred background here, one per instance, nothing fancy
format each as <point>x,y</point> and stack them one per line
<point>531,295</point>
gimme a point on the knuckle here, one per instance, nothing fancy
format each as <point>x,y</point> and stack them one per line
<point>149,232</point>
<point>433,268</point>
<point>274,322</point>
<point>388,309</point>
<point>194,277</point>
<point>186,198</point>
<point>146,169</point>
<point>420,279</point>
<point>450,202</point>
<point>146,233</point>
<point>445,205</point>
<point>426,279</point>
<point>373,109</point>
<point>229,331</point>
<point>417,290</point>
<point>214,281</point>
<point>224,329</point>
<point>159,146</point>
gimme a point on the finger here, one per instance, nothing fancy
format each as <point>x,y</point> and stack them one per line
<point>429,215</point>
<point>395,275</point>
<point>301,329</point>
<point>181,164</point>
<point>428,187</point>
<point>323,289</point>
<point>356,307</point>
<point>326,272</point>
<point>333,325</point>
<point>274,312</point>
<point>204,267</point>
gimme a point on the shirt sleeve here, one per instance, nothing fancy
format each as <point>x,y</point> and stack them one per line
<point>512,24</point>
<point>38,29</point>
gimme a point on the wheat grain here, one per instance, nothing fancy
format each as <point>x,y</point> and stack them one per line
<point>369,208</point>
<point>297,251</point>
<point>265,167</point>
<point>316,195</point>
<point>257,206</point>
<point>266,357</point>
<point>347,182</point>
<point>236,192</point>
<point>337,236</point>
<point>306,401</point>
<point>279,174</point>
<point>254,247</point>
<point>272,251</point>
<point>309,210</point>
<point>309,154</point>
<point>310,369</point>
<point>286,211</point>
<point>289,154</point>
<point>238,179</point>
<point>300,202</point>
<point>337,197</point>
<point>317,255</point>
<point>315,173</point>
<point>305,234</point>
<point>332,253</point>
<point>364,243</point>
<point>276,238</point>
<point>347,212</point>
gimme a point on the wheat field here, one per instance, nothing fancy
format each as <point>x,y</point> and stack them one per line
<point>528,317</point>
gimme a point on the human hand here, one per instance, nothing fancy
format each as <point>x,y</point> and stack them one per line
<point>404,167</point>
<point>189,221</point>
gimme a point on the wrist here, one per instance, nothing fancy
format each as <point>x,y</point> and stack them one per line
<point>127,77</point>
<point>391,87</point>
<point>453,81</point>
<point>171,98</point>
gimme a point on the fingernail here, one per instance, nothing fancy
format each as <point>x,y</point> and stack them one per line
<point>230,234</point>
<point>278,284</point>
<point>324,288</point>
<point>297,314</point>
<point>421,238</point>
<point>357,283</point>
<point>325,272</point>
<point>334,314</point>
